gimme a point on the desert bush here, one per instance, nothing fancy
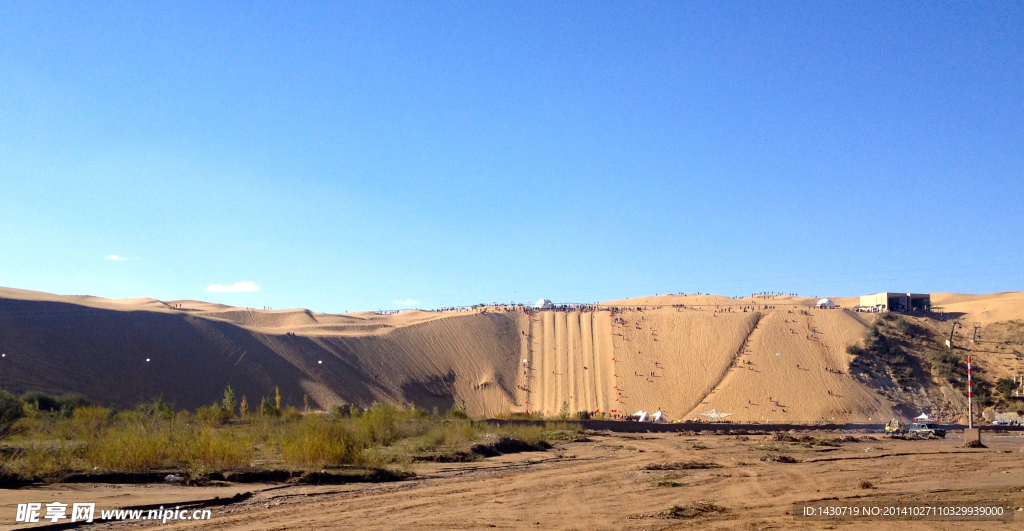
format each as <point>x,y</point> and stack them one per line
<point>316,442</point>
<point>777,458</point>
<point>11,410</point>
<point>158,408</point>
<point>1005,386</point>
<point>905,327</point>
<point>85,422</point>
<point>456,413</point>
<point>229,401</point>
<point>63,405</point>
<point>268,410</point>
<point>291,413</point>
<point>693,510</point>
<point>213,414</point>
<point>450,434</point>
<point>42,459</point>
<point>154,445</point>
<point>681,465</point>
<point>949,366</point>
<point>527,433</point>
<point>383,423</point>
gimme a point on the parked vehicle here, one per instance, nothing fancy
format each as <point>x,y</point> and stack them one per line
<point>925,429</point>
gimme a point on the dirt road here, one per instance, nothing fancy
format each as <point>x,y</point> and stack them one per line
<point>600,484</point>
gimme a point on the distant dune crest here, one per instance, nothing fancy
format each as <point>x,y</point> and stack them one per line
<point>769,358</point>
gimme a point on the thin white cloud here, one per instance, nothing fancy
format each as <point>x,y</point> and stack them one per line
<point>116,258</point>
<point>407,302</point>
<point>237,286</point>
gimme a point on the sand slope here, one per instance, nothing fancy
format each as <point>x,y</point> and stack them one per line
<point>683,354</point>
<point>795,368</point>
<point>670,359</point>
<point>99,348</point>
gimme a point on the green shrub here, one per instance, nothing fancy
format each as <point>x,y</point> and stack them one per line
<point>229,402</point>
<point>154,445</point>
<point>316,442</point>
<point>213,414</point>
<point>63,405</point>
<point>449,434</point>
<point>158,408</point>
<point>11,410</point>
<point>904,326</point>
<point>456,413</point>
<point>267,410</point>
<point>1005,386</point>
<point>950,367</point>
<point>85,422</point>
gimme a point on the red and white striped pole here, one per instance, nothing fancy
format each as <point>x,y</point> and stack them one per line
<point>970,396</point>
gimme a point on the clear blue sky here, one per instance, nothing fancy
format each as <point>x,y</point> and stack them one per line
<point>344,156</point>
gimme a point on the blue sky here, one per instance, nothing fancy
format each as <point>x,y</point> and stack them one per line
<point>355,156</point>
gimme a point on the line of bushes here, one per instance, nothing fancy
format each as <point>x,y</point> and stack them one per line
<point>49,442</point>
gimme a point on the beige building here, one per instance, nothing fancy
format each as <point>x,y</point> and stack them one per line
<point>896,302</point>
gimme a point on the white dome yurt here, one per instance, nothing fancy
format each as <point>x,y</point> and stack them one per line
<point>825,303</point>
<point>544,304</point>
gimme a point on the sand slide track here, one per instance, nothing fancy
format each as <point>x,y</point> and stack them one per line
<point>569,362</point>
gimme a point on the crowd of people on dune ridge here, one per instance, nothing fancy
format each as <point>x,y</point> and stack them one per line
<point>528,309</point>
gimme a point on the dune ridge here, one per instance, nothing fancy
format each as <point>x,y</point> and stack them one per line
<point>761,358</point>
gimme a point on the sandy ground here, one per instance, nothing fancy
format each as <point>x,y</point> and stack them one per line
<point>598,484</point>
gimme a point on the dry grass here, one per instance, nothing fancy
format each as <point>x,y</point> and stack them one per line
<point>681,465</point>
<point>95,439</point>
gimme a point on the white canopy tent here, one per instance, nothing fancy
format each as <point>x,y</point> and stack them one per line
<point>641,416</point>
<point>658,417</point>
<point>923,416</point>
<point>544,304</point>
<point>825,303</point>
<point>715,415</point>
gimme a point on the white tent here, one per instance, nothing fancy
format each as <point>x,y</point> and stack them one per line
<point>658,417</point>
<point>715,415</point>
<point>641,416</point>
<point>825,303</point>
<point>923,416</point>
<point>544,304</point>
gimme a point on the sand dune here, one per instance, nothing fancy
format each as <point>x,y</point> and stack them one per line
<point>984,309</point>
<point>795,368</point>
<point>683,354</point>
<point>100,348</point>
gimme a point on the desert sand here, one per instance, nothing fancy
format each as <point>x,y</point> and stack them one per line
<point>763,358</point>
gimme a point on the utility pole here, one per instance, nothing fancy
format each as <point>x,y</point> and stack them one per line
<point>972,435</point>
<point>949,342</point>
<point>970,396</point>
